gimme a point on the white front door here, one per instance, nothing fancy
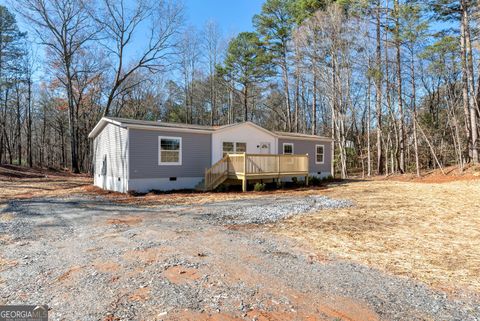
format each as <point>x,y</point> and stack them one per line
<point>264,148</point>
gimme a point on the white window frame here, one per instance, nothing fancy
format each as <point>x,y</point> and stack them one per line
<point>234,146</point>
<point>160,151</point>
<point>323,158</point>
<point>283,148</point>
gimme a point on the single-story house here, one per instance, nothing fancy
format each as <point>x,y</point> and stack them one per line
<point>136,155</point>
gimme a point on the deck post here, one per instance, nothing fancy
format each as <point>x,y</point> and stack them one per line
<point>308,164</point>
<point>244,180</point>
<point>278,165</point>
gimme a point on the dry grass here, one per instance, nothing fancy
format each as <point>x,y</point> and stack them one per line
<point>192,198</point>
<point>430,232</point>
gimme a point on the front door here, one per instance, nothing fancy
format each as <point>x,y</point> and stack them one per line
<point>264,148</point>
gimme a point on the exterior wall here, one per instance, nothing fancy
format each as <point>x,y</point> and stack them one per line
<point>303,146</point>
<point>112,142</point>
<point>146,174</point>
<point>244,133</point>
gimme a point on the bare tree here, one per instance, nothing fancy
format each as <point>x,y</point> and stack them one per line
<point>213,47</point>
<point>119,24</point>
<point>189,55</point>
<point>64,27</point>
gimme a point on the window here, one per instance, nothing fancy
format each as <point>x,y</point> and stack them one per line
<point>170,151</point>
<point>231,148</point>
<point>287,149</point>
<point>228,148</point>
<point>240,147</point>
<point>319,153</point>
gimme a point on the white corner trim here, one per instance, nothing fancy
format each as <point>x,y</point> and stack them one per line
<point>283,148</point>
<point>323,158</point>
<point>160,163</point>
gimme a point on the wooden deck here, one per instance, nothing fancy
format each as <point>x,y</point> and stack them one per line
<point>246,167</point>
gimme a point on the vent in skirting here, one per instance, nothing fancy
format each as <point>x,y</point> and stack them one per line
<point>173,178</point>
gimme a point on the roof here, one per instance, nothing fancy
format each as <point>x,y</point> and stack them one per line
<point>299,135</point>
<point>127,121</point>
<point>146,124</point>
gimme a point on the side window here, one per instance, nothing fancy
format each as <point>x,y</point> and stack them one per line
<point>170,151</point>
<point>319,153</point>
<point>288,149</point>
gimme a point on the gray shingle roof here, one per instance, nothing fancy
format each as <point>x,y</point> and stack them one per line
<point>161,124</point>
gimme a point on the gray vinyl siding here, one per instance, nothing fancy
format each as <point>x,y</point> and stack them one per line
<point>111,142</point>
<point>144,153</point>
<point>301,146</point>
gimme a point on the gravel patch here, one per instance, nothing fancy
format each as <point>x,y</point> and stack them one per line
<point>67,255</point>
<point>266,210</point>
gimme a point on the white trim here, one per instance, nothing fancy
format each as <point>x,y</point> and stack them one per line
<point>100,125</point>
<point>283,148</point>
<point>227,127</point>
<point>323,155</point>
<point>160,163</point>
<point>127,167</point>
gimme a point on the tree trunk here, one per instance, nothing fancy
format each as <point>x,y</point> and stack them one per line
<point>378,93</point>
<point>19,125</point>
<point>286,92</point>
<point>369,116</point>
<point>72,121</point>
<point>29,122</point>
<point>245,102</point>
<point>401,161</point>
<point>465,94</point>
<point>470,80</point>
<point>414,107</point>
<point>314,102</point>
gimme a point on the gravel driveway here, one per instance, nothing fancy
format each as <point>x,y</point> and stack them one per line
<point>93,260</point>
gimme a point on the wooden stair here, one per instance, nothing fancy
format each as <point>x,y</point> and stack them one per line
<point>217,174</point>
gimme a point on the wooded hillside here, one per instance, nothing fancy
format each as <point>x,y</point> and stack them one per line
<point>394,82</point>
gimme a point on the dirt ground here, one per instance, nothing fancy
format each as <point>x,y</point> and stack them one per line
<point>21,183</point>
<point>404,251</point>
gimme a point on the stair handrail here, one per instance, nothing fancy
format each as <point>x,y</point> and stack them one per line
<point>212,176</point>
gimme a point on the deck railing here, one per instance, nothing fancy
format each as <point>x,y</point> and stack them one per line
<point>255,166</point>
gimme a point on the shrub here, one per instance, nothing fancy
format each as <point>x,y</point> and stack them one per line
<point>294,181</point>
<point>222,188</point>
<point>328,178</point>
<point>280,184</point>
<point>259,187</point>
<point>314,181</point>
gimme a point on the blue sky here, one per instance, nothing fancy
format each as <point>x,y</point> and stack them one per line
<point>233,16</point>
